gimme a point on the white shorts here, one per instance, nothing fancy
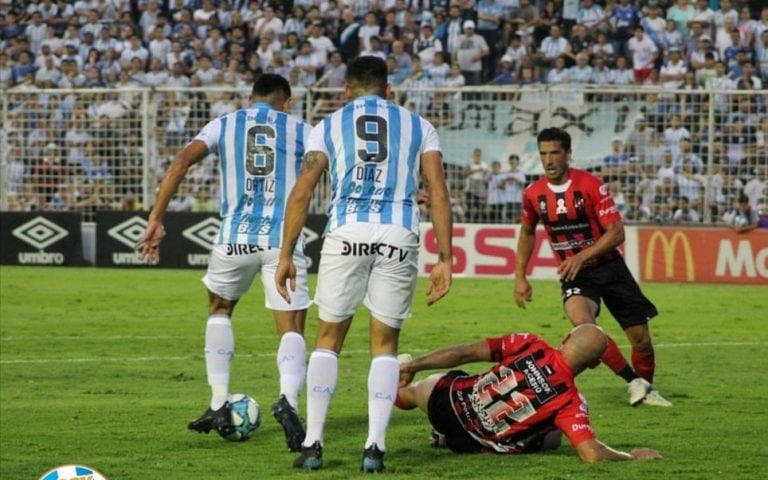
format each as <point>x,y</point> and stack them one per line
<point>232,268</point>
<point>376,262</point>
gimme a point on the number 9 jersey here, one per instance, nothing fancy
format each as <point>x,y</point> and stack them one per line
<point>260,153</point>
<point>374,149</point>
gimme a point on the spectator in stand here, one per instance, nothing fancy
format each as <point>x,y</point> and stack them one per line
<point>724,13</point>
<point>321,44</point>
<point>369,29</point>
<point>687,155</point>
<point>748,80</point>
<point>616,164</point>
<point>603,48</point>
<point>581,41</point>
<point>741,217</point>
<point>418,99</point>
<point>514,185</point>
<point>690,184</point>
<point>639,140</point>
<point>475,188</point>
<point>516,51</point>
<point>704,16</point>
<point>681,13</point>
<point>451,30</point>
<point>489,18</point>
<point>559,74</point>
<point>644,55</point>
<point>268,21</point>
<point>671,37</point>
<point>622,74</point>
<point>601,74</point>
<point>455,78</point>
<point>654,24</point>
<point>471,49</point>
<point>496,182</point>
<point>377,49</point>
<point>624,18</point>
<point>552,47</point>
<point>506,73</point>
<point>685,214</point>
<point>438,70</point>
<point>755,188</point>
<point>761,56</point>
<point>675,132</point>
<point>582,72</point>
<point>591,16</point>
<point>427,44</point>
<point>673,71</point>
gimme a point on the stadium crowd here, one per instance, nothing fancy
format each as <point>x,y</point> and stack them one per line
<point>661,172</point>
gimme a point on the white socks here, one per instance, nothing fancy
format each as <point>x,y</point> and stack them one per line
<point>322,374</point>
<point>383,378</point>
<point>291,366</point>
<point>219,350</point>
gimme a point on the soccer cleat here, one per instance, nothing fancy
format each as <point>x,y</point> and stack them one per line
<point>653,398</point>
<point>373,460</point>
<point>287,417</point>
<point>638,389</point>
<point>212,419</point>
<point>311,457</point>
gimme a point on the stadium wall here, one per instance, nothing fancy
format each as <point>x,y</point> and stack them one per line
<point>653,254</point>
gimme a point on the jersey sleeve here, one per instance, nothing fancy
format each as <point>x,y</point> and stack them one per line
<point>573,421</point>
<point>605,207</point>
<point>530,214</point>
<point>431,141</point>
<point>210,134</point>
<point>508,345</point>
<point>316,139</point>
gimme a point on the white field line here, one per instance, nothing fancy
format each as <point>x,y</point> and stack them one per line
<point>272,354</point>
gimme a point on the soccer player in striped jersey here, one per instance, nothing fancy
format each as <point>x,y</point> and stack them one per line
<point>585,230</point>
<point>375,152</point>
<point>260,150</point>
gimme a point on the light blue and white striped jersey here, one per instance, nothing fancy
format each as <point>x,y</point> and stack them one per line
<point>374,148</point>
<point>260,153</point>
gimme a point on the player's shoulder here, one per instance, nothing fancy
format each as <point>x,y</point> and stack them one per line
<point>583,177</point>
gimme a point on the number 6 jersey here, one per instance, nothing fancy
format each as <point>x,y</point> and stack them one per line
<point>260,153</point>
<point>374,149</point>
<point>530,389</point>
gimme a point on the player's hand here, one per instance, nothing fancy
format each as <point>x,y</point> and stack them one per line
<point>439,282</point>
<point>645,454</point>
<point>523,291</point>
<point>406,376</point>
<point>285,274</point>
<point>149,245</point>
<point>570,267</point>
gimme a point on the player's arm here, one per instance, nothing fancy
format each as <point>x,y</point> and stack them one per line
<point>296,210</point>
<point>449,357</point>
<point>149,245</point>
<point>433,177</point>
<point>525,243</point>
<point>592,451</point>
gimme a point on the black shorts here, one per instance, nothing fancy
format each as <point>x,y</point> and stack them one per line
<point>442,418</point>
<point>613,283</point>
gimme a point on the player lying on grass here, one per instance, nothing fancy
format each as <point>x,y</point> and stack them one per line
<point>519,404</point>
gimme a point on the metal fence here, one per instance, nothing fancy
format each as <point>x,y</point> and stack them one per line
<point>658,150</point>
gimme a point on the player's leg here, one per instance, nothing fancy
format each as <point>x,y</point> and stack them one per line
<point>633,311</point>
<point>229,275</point>
<point>582,305</point>
<point>291,351</point>
<point>391,285</point>
<point>341,284</point>
<point>416,394</point>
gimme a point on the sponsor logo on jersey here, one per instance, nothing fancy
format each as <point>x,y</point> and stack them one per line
<point>537,379</point>
<point>373,248</point>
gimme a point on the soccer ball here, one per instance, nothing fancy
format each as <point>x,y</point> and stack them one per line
<point>741,221</point>
<point>246,418</point>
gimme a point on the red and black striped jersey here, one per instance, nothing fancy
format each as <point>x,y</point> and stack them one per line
<point>529,391</point>
<point>574,214</point>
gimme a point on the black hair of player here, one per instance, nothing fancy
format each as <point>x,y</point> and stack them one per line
<point>368,74</point>
<point>555,135</point>
<point>268,84</point>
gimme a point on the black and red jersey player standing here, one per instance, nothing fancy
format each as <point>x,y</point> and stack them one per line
<point>585,230</point>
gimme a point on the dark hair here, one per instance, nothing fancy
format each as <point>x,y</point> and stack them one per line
<point>368,73</point>
<point>555,135</point>
<point>270,83</point>
<point>743,198</point>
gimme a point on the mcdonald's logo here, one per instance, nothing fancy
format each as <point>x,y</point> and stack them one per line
<point>669,249</point>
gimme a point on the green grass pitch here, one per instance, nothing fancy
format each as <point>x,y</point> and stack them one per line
<point>105,367</point>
